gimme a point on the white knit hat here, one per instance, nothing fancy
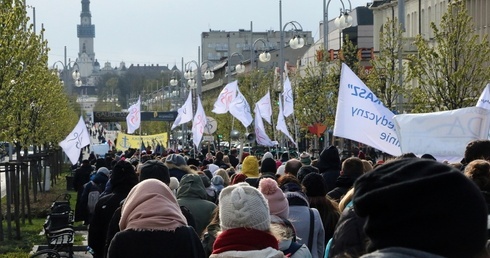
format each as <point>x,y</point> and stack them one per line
<point>174,183</point>
<point>243,206</point>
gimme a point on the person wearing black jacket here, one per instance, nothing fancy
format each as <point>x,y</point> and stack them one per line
<point>352,168</point>
<point>123,178</point>
<point>81,177</point>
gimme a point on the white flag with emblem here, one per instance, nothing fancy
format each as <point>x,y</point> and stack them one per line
<point>484,100</point>
<point>240,109</point>
<point>226,96</point>
<point>133,119</point>
<point>264,105</point>
<point>184,114</point>
<point>198,123</point>
<point>75,141</point>
<point>287,95</point>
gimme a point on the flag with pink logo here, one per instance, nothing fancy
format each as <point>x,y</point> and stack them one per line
<point>226,96</point>
<point>133,119</point>
<point>265,108</point>
<point>198,123</point>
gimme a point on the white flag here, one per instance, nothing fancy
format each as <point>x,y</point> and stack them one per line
<point>484,100</point>
<point>184,114</point>
<point>287,95</point>
<point>260,134</point>
<point>264,105</point>
<point>240,109</point>
<point>133,119</point>
<point>75,141</point>
<point>281,123</point>
<point>362,117</point>
<point>198,123</point>
<point>226,96</point>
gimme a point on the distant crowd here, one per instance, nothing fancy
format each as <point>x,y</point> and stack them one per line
<point>142,204</point>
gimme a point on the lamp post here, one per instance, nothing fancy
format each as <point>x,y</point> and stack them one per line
<point>264,57</point>
<point>182,93</point>
<point>342,22</point>
<point>194,80</point>
<point>239,68</point>
<point>295,43</point>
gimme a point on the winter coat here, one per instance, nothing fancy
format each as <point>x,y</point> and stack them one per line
<point>104,211</point>
<point>192,194</point>
<point>184,242</point>
<point>343,185</point>
<point>81,177</point>
<point>349,237</point>
<point>400,252</point>
<point>96,184</point>
<point>268,252</point>
<point>329,166</point>
<point>178,171</point>
<point>299,215</point>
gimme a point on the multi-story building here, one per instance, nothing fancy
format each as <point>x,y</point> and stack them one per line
<point>217,45</point>
<point>419,14</point>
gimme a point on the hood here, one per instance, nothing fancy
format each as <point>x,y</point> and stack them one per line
<point>329,159</point>
<point>191,186</point>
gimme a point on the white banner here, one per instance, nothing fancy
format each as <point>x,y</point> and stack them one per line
<point>133,119</point>
<point>443,134</point>
<point>260,135</point>
<point>264,105</point>
<point>226,96</point>
<point>362,117</point>
<point>75,141</point>
<point>484,100</point>
<point>184,114</point>
<point>287,95</point>
<point>198,123</point>
<point>240,109</point>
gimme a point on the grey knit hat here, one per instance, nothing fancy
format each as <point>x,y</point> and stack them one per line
<point>243,206</point>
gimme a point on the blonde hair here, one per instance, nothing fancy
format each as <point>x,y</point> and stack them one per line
<point>367,166</point>
<point>346,199</point>
<point>226,179</point>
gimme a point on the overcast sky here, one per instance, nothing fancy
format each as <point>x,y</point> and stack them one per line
<point>163,31</point>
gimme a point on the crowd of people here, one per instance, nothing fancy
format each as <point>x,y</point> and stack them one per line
<point>174,205</point>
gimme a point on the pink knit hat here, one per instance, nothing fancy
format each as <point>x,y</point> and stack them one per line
<point>278,204</point>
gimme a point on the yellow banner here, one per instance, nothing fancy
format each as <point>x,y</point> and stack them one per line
<point>126,141</point>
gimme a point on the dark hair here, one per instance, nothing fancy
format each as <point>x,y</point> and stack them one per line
<point>329,213</point>
<point>288,179</point>
<point>407,156</point>
<point>479,172</point>
<point>305,170</point>
<point>219,156</point>
<point>352,167</point>
<point>477,149</point>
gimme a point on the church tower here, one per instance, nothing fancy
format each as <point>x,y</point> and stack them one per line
<point>86,35</point>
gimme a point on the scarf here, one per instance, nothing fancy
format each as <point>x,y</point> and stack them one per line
<point>244,239</point>
<point>151,205</point>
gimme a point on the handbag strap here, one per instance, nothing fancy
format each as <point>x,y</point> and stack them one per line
<point>310,237</point>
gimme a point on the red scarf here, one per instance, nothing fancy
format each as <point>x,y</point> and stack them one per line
<point>244,239</point>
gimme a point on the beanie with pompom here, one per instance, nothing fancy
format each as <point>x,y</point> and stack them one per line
<point>278,204</point>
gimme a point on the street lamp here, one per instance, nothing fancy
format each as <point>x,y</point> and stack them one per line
<point>194,80</point>
<point>239,68</point>
<point>342,22</point>
<point>264,57</point>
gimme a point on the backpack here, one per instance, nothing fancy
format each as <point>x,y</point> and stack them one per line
<point>93,198</point>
